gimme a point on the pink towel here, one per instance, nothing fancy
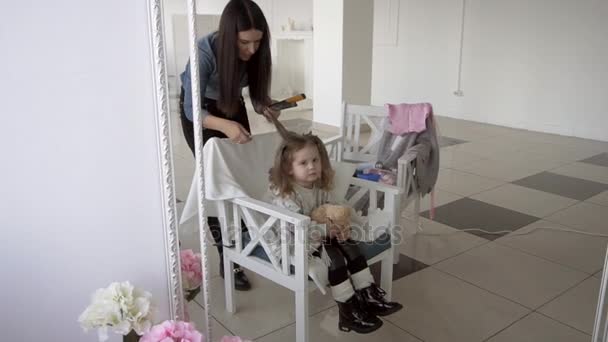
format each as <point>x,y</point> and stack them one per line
<point>406,118</point>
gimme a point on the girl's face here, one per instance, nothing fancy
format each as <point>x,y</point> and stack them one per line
<point>306,166</point>
<point>248,43</point>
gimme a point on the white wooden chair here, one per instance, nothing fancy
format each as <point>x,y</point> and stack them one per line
<point>251,250</point>
<point>350,147</point>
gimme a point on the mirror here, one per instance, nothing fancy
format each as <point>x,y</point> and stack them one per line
<point>291,52</point>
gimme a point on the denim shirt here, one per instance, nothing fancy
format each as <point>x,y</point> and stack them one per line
<point>209,77</point>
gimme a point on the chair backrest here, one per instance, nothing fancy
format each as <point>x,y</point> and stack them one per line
<point>358,146</point>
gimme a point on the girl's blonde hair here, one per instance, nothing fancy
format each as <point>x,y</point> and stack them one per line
<point>280,178</point>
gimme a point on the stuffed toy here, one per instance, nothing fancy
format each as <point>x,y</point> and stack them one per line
<point>336,217</point>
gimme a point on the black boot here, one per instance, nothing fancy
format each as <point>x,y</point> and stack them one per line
<point>373,301</point>
<point>241,282</point>
<point>353,317</point>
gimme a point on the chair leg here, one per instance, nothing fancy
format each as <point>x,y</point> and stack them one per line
<point>397,233</point>
<point>395,258</point>
<point>386,276</point>
<point>302,315</point>
<point>417,212</point>
<point>229,285</point>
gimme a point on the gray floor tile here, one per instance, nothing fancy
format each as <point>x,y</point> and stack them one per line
<point>468,213</point>
<point>585,216</point>
<point>447,141</point>
<point>504,170</point>
<point>566,186</point>
<point>525,200</point>
<point>437,242</point>
<point>441,308</point>
<point>601,199</point>
<point>441,198</point>
<point>599,159</point>
<point>404,267</point>
<point>323,327</point>
<point>464,183</point>
<point>538,328</point>
<point>518,276</point>
<point>577,306</point>
<point>548,240</point>
<point>586,171</point>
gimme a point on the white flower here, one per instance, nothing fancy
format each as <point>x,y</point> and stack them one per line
<point>121,307</point>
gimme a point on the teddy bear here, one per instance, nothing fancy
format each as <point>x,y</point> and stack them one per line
<point>336,217</point>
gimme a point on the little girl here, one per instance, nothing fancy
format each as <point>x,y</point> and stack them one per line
<point>300,181</point>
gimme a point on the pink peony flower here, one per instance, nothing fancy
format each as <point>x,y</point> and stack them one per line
<point>192,276</point>
<point>233,339</point>
<point>173,331</point>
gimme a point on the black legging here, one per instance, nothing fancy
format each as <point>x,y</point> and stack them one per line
<point>210,106</point>
<point>346,258</point>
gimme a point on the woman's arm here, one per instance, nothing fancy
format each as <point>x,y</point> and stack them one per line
<point>205,68</point>
<point>233,130</point>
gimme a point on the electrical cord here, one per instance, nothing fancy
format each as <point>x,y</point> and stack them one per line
<point>504,232</point>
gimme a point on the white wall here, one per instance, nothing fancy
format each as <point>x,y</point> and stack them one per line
<point>327,61</point>
<point>422,63</point>
<point>357,55</point>
<point>298,10</point>
<point>342,56</point>
<point>539,65</point>
<point>80,203</point>
<point>171,9</point>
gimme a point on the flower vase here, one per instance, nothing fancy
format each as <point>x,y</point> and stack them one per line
<point>131,337</point>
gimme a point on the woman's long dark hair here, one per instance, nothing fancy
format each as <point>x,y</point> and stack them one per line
<point>242,15</point>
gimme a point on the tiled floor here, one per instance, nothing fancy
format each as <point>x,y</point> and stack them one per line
<point>533,282</point>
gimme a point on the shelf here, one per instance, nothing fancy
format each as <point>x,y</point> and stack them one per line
<point>293,35</point>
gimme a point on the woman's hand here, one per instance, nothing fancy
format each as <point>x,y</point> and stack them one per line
<point>233,130</point>
<point>236,132</point>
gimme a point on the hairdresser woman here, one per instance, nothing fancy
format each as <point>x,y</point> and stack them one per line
<point>236,56</point>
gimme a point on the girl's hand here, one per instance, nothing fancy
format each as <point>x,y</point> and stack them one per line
<point>236,132</point>
<point>334,231</point>
<point>344,234</point>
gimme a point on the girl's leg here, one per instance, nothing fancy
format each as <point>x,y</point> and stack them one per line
<point>371,295</point>
<point>341,287</point>
<point>351,313</point>
<point>356,264</point>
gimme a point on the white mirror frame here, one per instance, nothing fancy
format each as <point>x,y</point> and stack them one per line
<point>157,33</point>
<point>198,152</point>
<point>163,126</point>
